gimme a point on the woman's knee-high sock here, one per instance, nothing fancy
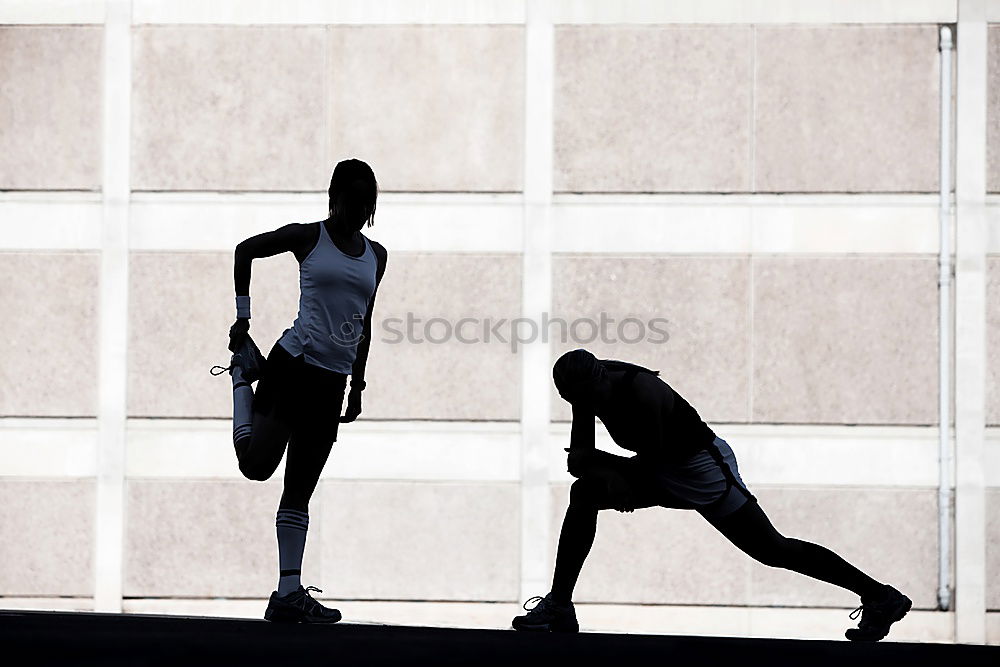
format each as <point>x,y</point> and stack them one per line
<point>291,527</point>
<point>242,411</point>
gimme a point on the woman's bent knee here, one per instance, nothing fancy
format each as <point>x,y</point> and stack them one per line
<point>255,473</point>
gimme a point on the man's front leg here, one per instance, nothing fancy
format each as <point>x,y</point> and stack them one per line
<point>555,611</point>
<point>586,497</point>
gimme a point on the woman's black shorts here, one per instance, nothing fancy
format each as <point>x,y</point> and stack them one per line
<point>299,394</point>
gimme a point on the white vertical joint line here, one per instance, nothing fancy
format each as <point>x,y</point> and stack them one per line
<point>751,297</point>
<point>753,188</point>
<point>536,295</point>
<point>970,324</point>
<point>944,325</point>
<point>113,310</point>
<point>753,108</point>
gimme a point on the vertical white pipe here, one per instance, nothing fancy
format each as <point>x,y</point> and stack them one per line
<point>944,331</point>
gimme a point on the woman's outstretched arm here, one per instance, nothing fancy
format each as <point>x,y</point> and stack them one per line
<point>364,345</point>
<point>361,360</point>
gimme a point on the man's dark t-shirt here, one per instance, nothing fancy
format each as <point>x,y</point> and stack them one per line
<point>646,416</point>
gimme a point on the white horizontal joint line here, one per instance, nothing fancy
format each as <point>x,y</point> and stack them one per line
<point>365,12</point>
<point>788,455</point>
<point>439,222</point>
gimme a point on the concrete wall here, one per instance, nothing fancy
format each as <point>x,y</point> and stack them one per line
<point>50,117</point>
<point>746,108</point>
<point>689,144</point>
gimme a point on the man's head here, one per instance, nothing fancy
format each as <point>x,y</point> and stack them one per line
<point>582,379</point>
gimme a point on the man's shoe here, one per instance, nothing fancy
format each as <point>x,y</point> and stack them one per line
<point>299,607</point>
<point>547,616</point>
<point>248,357</point>
<point>878,614</point>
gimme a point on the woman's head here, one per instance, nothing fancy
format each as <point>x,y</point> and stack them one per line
<point>353,192</point>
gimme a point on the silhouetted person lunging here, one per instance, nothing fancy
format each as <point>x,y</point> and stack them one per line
<point>304,378</point>
<point>679,463</point>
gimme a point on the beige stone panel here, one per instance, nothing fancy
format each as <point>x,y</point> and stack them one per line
<point>421,541</point>
<point>652,108</point>
<point>845,340</point>
<point>993,110</point>
<point>209,538</point>
<point>49,329</point>
<point>846,109</point>
<point>414,375</point>
<point>430,108</point>
<point>181,305</point>
<point>50,109</point>
<point>228,108</point>
<point>890,534</point>
<point>993,548</point>
<point>656,556</point>
<point>993,340</point>
<point>701,303</point>
<point>46,537</point>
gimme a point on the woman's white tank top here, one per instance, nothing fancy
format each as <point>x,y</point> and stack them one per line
<point>334,292</point>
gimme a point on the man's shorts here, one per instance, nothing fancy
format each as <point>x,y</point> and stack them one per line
<point>700,483</point>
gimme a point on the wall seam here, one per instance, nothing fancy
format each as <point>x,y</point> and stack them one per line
<point>751,296</point>
<point>753,108</point>
<point>109,520</point>
<point>536,294</point>
<point>970,322</point>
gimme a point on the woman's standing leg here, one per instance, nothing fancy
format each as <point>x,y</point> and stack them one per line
<point>308,451</point>
<point>309,446</point>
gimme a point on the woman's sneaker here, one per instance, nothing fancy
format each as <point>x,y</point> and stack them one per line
<point>248,357</point>
<point>299,607</point>
<point>878,614</point>
<point>547,616</point>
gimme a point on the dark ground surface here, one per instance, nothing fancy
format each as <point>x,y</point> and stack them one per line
<point>78,638</point>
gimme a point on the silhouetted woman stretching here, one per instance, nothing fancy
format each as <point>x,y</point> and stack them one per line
<point>303,381</point>
<point>679,463</point>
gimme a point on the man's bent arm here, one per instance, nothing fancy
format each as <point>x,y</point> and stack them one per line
<point>582,431</point>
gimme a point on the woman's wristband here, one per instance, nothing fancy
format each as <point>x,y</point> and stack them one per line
<point>243,307</point>
<point>358,384</point>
